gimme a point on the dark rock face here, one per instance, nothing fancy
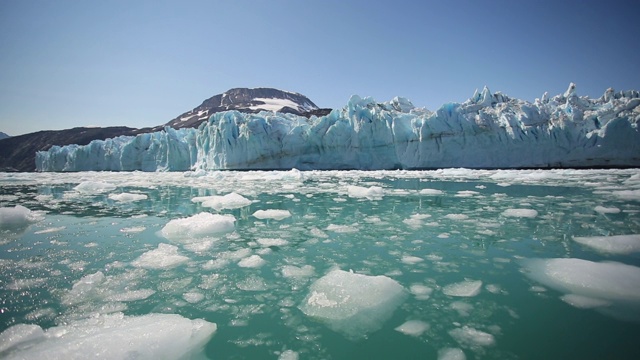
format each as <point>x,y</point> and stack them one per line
<point>18,153</point>
<point>3,135</point>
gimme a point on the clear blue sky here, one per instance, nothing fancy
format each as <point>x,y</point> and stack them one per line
<point>141,63</point>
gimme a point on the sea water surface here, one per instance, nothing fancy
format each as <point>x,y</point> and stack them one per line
<point>447,264</point>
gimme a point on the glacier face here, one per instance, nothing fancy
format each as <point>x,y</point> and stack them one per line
<point>486,131</point>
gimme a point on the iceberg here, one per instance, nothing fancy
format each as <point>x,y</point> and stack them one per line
<point>490,130</point>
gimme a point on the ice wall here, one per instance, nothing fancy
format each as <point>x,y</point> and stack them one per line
<point>486,131</point>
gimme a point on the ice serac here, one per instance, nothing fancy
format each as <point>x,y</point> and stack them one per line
<point>490,130</point>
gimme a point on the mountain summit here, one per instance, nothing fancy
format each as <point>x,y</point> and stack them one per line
<point>247,101</point>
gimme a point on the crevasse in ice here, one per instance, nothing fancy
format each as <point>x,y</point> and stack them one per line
<point>486,131</point>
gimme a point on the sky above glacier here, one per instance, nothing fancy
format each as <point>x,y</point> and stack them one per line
<point>69,63</point>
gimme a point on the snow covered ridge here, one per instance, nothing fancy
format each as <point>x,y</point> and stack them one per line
<point>486,131</point>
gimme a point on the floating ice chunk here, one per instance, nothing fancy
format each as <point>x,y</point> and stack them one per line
<point>152,336</point>
<point>229,201</point>
<point>413,327</point>
<point>456,216</point>
<point>431,192</point>
<point>272,214</point>
<point>466,193</point>
<point>606,210</point>
<point>612,282</point>
<point>266,242</point>
<point>617,244</point>
<point>584,302</point>
<point>17,217</point>
<point>19,334</point>
<point>451,354</point>
<point>628,194</point>
<point>25,284</point>
<point>288,355</point>
<point>342,228</point>
<point>253,261</point>
<point>527,213</point>
<point>94,187</point>
<point>127,197</point>
<point>353,304</point>
<point>198,226</point>
<point>252,283</point>
<point>133,229</point>
<point>421,292</point>
<point>373,192</point>
<point>50,230</point>
<point>463,308</point>
<point>411,260</point>
<point>193,297</point>
<point>468,336</point>
<point>164,257</point>
<point>290,271</point>
<point>132,295</point>
<point>466,288</point>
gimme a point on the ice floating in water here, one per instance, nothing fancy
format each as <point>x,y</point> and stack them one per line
<point>372,192</point>
<point>229,201</point>
<point>463,289</point>
<point>613,284</point>
<point>470,337</point>
<point>451,354</point>
<point>526,213</point>
<point>127,197</point>
<point>94,187</point>
<point>353,304</point>
<point>618,244</point>
<point>253,261</point>
<point>411,260</point>
<point>288,355</point>
<point>290,271</point>
<point>606,210</point>
<point>413,327</point>
<point>583,302</point>
<point>266,242</point>
<point>456,216</point>
<point>421,292</point>
<point>164,257</point>
<point>198,226</point>
<point>431,192</point>
<point>152,336</point>
<point>272,214</point>
<point>17,217</point>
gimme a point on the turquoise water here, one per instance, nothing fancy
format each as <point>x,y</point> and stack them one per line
<point>476,229</point>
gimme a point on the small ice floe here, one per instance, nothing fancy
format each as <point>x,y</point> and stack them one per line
<point>413,327</point>
<point>522,213</point>
<point>164,257</point>
<point>94,187</point>
<point>353,305</point>
<point>229,201</point>
<point>617,244</point>
<point>466,288</point>
<point>127,197</point>
<point>470,337</point>
<point>373,192</point>
<point>272,214</point>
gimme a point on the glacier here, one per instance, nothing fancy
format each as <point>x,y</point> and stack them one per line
<point>489,130</point>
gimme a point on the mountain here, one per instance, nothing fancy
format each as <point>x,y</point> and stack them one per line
<point>247,101</point>
<point>18,153</point>
<point>3,135</point>
<point>490,130</point>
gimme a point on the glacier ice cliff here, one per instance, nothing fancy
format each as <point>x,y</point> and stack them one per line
<point>490,130</point>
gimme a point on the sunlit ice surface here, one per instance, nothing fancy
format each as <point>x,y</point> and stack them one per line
<point>447,264</point>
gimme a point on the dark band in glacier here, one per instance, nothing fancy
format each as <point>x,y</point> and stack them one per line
<point>486,131</point>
